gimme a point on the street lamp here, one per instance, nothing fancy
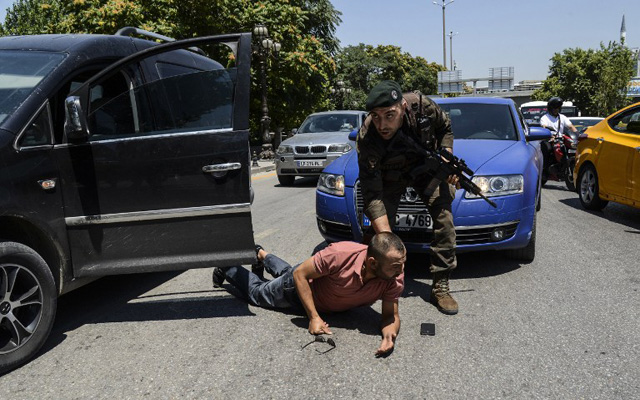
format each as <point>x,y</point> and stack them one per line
<point>444,46</point>
<point>340,91</point>
<point>451,35</point>
<point>263,47</point>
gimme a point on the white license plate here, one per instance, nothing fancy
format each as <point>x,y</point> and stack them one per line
<point>405,222</point>
<point>311,163</point>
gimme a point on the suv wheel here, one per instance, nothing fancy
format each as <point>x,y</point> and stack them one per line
<point>286,180</point>
<point>589,190</point>
<point>28,301</point>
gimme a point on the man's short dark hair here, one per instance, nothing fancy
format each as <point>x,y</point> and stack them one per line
<point>382,243</point>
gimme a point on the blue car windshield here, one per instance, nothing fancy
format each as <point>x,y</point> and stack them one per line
<point>481,121</point>
<point>329,123</point>
<point>20,73</point>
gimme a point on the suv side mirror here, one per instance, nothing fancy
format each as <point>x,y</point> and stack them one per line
<point>75,123</point>
<point>293,132</point>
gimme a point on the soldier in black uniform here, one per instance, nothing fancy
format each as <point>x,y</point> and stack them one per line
<point>386,163</point>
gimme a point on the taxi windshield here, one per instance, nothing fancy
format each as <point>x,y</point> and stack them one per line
<point>20,73</point>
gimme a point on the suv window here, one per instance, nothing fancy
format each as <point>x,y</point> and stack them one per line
<point>20,72</point>
<point>39,131</point>
<point>186,99</point>
<point>111,109</point>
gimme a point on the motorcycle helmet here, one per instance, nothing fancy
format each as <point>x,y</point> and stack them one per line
<point>554,102</point>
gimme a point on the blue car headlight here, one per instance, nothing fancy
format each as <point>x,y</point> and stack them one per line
<point>497,185</point>
<point>284,149</point>
<point>339,148</point>
<point>331,183</point>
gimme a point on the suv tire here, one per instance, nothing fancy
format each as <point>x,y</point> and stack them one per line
<point>28,300</point>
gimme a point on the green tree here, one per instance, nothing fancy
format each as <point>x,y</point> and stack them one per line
<point>361,67</point>
<point>298,79</point>
<point>593,79</point>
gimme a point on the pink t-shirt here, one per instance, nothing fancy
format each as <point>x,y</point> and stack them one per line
<point>340,288</point>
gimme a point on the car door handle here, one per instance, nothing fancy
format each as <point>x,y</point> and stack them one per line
<point>221,167</point>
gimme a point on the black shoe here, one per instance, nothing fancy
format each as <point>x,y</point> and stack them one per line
<point>218,277</point>
<point>258,267</point>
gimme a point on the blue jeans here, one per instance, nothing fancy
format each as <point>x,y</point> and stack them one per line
<point>279,292</point>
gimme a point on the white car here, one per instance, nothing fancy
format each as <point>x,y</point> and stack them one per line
<point>582,123</point>
<point>322,138</point>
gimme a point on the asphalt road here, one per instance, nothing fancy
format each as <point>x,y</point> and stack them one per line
<point>566,326</point>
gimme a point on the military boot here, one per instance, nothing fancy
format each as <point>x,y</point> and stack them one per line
<point>440,296</point>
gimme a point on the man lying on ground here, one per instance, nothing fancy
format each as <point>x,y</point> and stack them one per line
<point>342,276</point>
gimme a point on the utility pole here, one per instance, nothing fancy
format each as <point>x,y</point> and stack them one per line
<point>451,35</point>
<point>444,4</point>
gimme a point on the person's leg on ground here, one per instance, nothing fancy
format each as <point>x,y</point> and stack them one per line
<point>268,294</point>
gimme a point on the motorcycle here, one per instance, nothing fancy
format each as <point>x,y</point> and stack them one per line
<point>559,166</point>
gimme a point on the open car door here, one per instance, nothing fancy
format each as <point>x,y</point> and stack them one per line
<point>155,165</point>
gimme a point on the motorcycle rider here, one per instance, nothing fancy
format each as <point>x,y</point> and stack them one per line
<point>557,123</point>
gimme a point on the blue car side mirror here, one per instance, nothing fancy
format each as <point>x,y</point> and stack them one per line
<point>538,133</point>
<point>353,134</point>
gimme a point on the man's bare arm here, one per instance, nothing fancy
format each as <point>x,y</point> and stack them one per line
<point>301,276</point>
<point>390,326</point>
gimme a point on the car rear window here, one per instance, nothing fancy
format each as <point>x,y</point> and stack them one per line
<point>20,72</point>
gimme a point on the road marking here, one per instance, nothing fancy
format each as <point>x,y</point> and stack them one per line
<point>255,178</point>
<point>264,234</point>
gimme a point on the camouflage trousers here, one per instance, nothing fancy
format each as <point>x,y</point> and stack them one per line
<point>443,246</point>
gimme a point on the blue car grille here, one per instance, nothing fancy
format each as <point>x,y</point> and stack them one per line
<point>464,235</point>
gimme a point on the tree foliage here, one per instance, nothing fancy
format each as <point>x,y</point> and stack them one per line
<point>361,67</point>
<point>595,80</point>
<point>299,76</point>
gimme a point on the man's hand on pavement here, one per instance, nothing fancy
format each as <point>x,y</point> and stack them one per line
<point>317,326</point>
<point>386,346</point>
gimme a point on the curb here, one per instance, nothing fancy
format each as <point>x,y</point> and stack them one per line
<point>262,168</point>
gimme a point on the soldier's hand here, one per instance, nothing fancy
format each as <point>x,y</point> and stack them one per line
<point>454,180</point>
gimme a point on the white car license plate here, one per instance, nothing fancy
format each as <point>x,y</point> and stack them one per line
<point>405,222</point>
<point>310,163</point>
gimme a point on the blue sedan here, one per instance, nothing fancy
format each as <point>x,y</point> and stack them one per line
<point>492,137</point>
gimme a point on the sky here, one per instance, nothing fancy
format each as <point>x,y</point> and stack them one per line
<point>523,34</point>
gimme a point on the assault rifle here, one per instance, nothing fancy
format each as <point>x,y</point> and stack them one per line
<point>439,164</point>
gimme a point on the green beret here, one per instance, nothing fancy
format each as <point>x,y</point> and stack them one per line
<point>384,94</point>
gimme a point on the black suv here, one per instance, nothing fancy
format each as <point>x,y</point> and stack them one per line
<point>117,155</point>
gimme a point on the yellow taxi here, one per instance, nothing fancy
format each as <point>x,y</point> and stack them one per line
<point>608,161</point>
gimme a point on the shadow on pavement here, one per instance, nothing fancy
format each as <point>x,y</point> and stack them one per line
<point>109,299</point>
<point>363,319</point>
<point>618,213</point>
<point>306,181</point>
<point>470,266</point>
